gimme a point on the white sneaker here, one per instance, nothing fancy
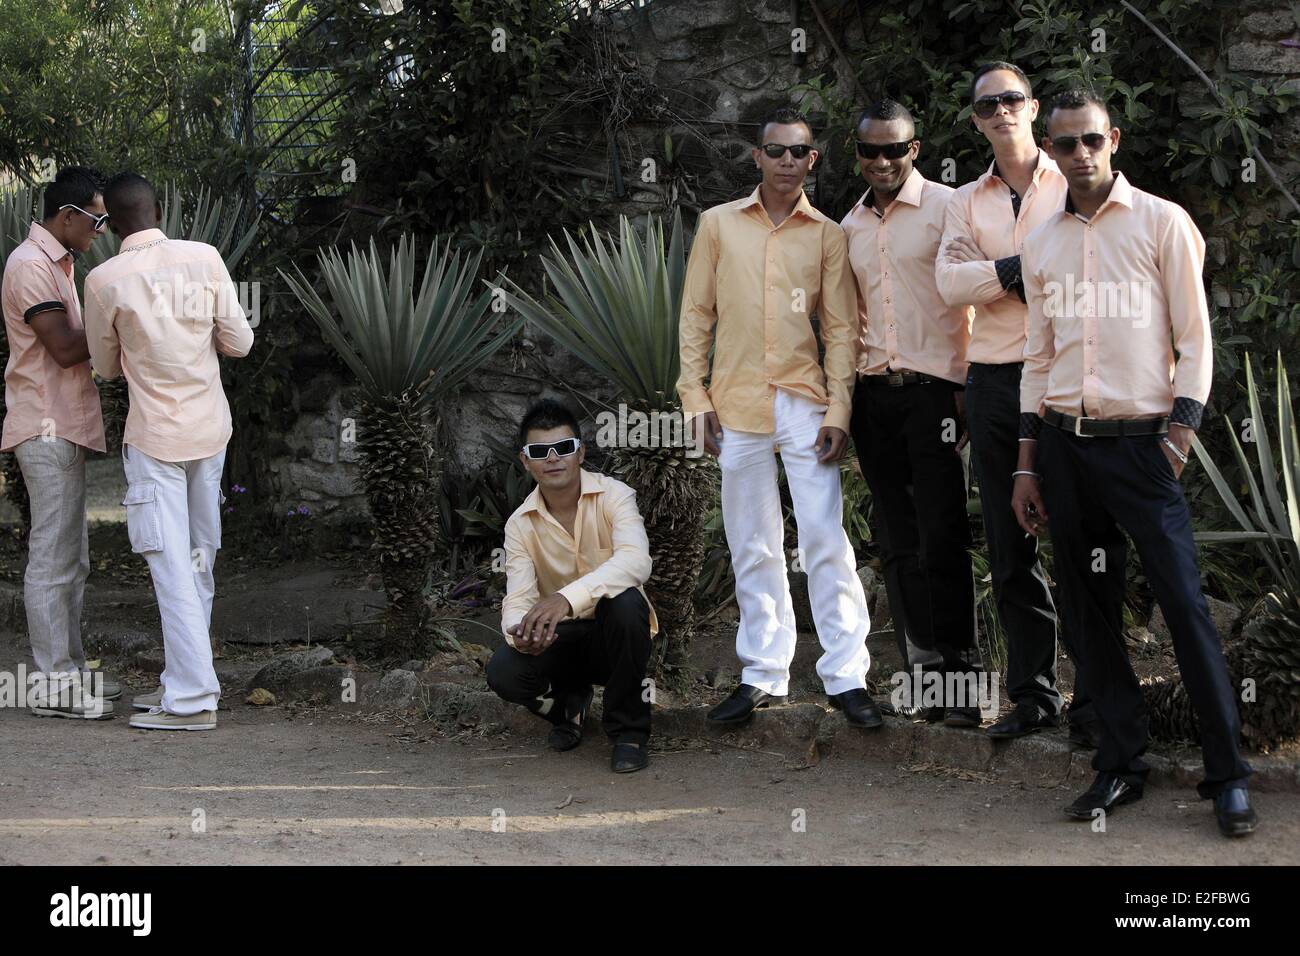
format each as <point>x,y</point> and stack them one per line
<point>159,719</point>
<point>148,701</point>
<point>108,688</point>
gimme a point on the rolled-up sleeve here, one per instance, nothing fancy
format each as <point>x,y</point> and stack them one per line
<point>628,567</point>
<point>101,334</point>
<point>964,283</point>
<point>521,581</point>
<point>838,318</point>
<point>699,315</point>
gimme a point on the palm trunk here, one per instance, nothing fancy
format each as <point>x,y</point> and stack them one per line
<point>401,474</point>
<point>675,494</point>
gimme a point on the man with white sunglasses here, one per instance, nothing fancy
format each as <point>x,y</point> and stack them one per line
<point>575,613</point>
<point>52,417</point>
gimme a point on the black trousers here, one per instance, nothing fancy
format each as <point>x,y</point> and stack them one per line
<point>1095,489</point>
<point>611,650</point>
<point>1020,588</point>
<point>905,438</point>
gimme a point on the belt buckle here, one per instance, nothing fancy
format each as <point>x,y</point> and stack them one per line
<point>894,378</point>
<point>1078,427</point>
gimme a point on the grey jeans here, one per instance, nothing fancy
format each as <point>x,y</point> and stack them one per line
<point>58,559</point>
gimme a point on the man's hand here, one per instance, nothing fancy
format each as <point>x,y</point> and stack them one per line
<point>536,632</point>
<point>835,438</point>
<point>961,249</point>
<point>1181,436</point>
<point>707,424</point>
<point>1027,503</point>
<point>963,439</point>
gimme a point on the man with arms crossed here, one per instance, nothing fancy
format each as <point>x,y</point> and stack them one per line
<point>759,267</point>
<point>51,417</point>
<point>979,264</point>
<point>160,311</point>
<point>906,407</point>
<point>574,613</point>
<point>1113,280</point>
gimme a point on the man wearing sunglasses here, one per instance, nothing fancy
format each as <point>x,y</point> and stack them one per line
<point>52,417</point>
<point>160,312</point>
<point>759,268</point>
<point>905,409</point>
<point>979,264</point>
<point>1114,387</point>
<point>575,613</point>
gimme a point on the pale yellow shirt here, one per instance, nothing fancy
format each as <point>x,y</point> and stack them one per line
<point>981,211</point>
<point>607,553</point>
<point>906,325</point>
<point>751,290</point>
<point>160,311</point>
<point>42,398</point>
<point>1110,300</point>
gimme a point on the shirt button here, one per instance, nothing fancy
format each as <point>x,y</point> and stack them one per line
<point>886,302</point>
<point>1091,371</point>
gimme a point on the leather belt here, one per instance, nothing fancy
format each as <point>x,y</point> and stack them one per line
<point>897,379</point>
<point>1105,427</point>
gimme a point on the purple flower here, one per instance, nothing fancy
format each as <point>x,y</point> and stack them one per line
<point>230,511</point>
<point>238,489</point>
<point>304,510</point>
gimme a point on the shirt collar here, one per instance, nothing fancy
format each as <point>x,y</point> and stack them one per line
<point>910,193</point>
<point>589,484</point>
<point>46,242</point>
<point>1121,191</point>
<point>1045,163</point>
<point>143,237</point>
<point>802,206</point>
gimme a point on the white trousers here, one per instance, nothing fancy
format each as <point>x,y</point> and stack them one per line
<point>173,517</point>
<point>752,516</point>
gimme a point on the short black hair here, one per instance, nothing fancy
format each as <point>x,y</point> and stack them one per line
<point>73,185</point>
<point>129,191</point>
<point>545,414</point>
<point>993,67</point>
<point>1077,98</point>
<point>887,110</point>
<point>785,116</point>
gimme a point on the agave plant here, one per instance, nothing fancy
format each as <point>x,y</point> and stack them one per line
<point>615,304</point>
<point>1267,653</point>
<point>409,346</point>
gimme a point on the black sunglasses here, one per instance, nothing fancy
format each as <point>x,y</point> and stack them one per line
<point>890,150</point>
<point>777,150</point>
<point>540,450</point>
<point>986,106</point>
<point>1066,145</point>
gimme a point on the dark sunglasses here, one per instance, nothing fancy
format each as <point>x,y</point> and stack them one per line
<point>540,450</point>
<point>890,150</point>
<point>986,106</point>
<point>97,222</point>
<point>777,150</point>
<point>1066,145</point>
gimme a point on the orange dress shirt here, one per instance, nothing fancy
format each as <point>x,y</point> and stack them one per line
<point>751,289</point>
<point>1110,301</point>
<point>981,211</point>
<point>41,396</point>
<point>607,553</point>
<point>906,325</point>
<point>160,311</point>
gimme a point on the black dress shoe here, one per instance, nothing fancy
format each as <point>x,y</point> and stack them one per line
<point>740,706</point>
<point>858,707</point>
<point>1235,814</point>
<point>629,758</point>
<point>1085,736</point>
<point>567,735</point>
<point>1106,793</point>
<point>1025,719</point>
<point>961,717</point>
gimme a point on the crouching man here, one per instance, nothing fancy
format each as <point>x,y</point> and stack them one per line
<point>574,613</point>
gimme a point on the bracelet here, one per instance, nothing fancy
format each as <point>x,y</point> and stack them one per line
<point>1174,448</point>
<point>1031,474</point>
